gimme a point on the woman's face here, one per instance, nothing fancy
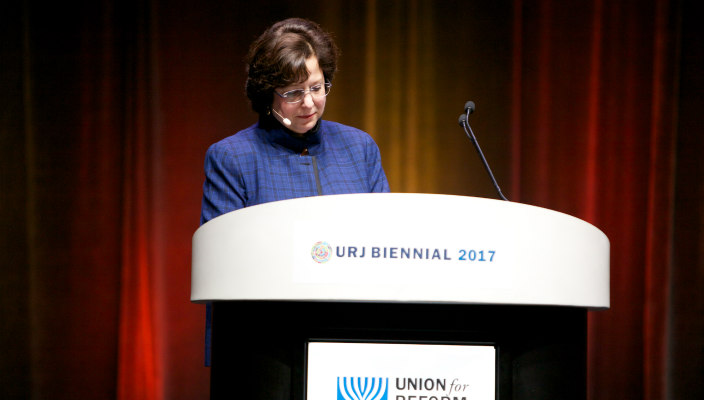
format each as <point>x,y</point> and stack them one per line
<point>306,113</point>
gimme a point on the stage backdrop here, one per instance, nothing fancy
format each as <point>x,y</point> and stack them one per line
<point>588,107</point>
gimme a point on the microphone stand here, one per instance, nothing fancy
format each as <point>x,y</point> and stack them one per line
<point>469,108</point>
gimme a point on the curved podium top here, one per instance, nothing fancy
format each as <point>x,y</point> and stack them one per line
<point>396,247</point>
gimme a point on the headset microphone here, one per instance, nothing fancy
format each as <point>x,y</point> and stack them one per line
<point>285,120</point>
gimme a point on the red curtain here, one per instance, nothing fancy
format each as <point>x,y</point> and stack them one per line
<point>587,107</point>
<point>599,86</point>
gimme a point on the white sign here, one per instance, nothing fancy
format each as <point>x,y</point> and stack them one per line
<point>382,371</point>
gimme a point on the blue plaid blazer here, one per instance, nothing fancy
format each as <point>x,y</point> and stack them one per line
<point>260,165</point>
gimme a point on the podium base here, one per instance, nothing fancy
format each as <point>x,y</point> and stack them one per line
<point>259,348</point>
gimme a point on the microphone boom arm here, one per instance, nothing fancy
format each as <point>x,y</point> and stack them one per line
<point>469,108</point>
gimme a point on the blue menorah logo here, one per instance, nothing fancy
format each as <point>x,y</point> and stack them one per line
<point>362,388</point>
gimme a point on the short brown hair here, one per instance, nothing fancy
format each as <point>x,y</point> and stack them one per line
<point>278,58</point>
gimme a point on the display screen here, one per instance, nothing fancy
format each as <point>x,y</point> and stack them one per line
<point>400,371</point>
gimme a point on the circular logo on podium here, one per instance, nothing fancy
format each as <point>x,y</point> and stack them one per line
<point>321,252</point>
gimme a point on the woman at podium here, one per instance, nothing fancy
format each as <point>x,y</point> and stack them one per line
<point>291,151</point>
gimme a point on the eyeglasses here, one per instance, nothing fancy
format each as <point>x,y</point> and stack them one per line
<point>297,95</point>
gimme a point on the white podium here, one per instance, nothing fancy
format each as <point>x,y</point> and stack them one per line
<point>401,268</point>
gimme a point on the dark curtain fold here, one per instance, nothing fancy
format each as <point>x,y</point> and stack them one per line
<point>138,364</point>
<point>587,107</point>
<point>685,309</point>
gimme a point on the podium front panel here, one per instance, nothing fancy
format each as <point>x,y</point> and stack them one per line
<point>401,248</point>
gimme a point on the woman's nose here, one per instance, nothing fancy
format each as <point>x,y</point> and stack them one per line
<point>308,99</point>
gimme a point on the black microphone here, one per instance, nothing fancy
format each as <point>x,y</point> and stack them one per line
<point>468,109</point>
